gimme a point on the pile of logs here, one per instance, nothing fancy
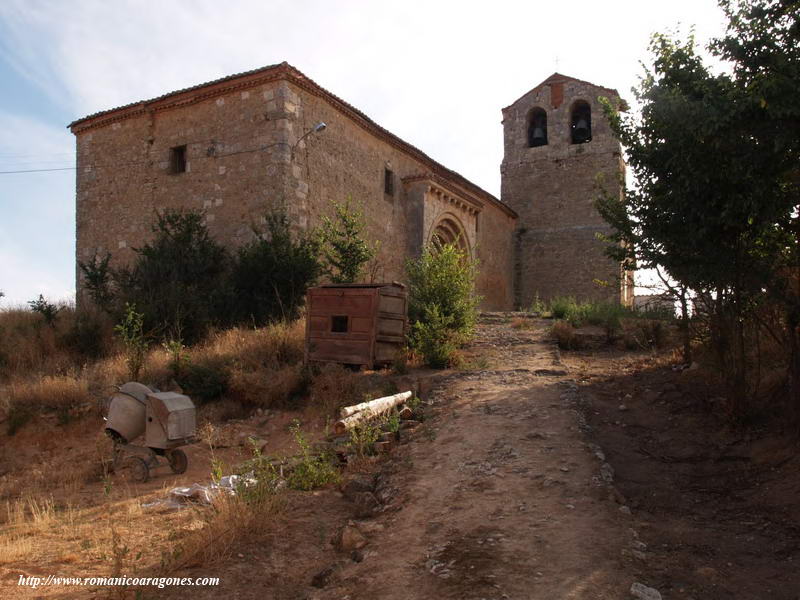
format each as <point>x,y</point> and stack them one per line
<point>366,411</point>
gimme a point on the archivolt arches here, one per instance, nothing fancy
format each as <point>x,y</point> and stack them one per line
<point>449,230</point>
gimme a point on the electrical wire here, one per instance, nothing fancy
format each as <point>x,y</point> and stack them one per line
<point>117,165</point>
<point>38,170</point>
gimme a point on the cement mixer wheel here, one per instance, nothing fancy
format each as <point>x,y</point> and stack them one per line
<point>177,461</point>
<point>135,469</point>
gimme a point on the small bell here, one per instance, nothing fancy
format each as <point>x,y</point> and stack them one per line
<point>581,131</point>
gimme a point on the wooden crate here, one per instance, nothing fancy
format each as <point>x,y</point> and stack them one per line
<point>356,324</point>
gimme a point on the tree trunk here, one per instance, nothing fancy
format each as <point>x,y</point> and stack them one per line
<point>684,327</point>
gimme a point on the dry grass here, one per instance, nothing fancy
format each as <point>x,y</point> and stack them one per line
<point>520,323</point>
<point>334,386</point>
<point>253,349</point>
<point>215,530</point>
<point>55,467</point>
<point>51,392</point>
<point>53,507</point>
<point>267,390</point>
<point>29,345</point>
<point>45,374</point>
<point>564,334</point>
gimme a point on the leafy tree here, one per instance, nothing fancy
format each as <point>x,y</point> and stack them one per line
<point>763,43</point>
<point>272,273</point>
<point>131,333</point>
<point>442,304</point>
<point>178,278</point>
<point>344,248</point>
<point>712,206</point>
<point>97,280</point>
<point>48,310</point>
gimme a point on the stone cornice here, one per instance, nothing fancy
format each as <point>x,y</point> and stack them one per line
<point>449,193</point>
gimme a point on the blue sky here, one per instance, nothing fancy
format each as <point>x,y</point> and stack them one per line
<point>436,73</point>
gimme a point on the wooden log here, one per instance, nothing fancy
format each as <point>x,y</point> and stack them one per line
<point>382,447</point>
<point>376,406</point>
<point>367,410</point>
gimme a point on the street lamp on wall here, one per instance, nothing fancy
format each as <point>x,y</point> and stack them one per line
<point>319,127</point>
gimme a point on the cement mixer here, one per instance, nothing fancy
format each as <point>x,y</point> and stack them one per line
<point>167,421</point>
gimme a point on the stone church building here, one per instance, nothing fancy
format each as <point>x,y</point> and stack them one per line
<point>242,146</point>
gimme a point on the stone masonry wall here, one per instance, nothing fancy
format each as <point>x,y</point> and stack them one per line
<point>237,159</point>
<point>243,160</point>
<point>347,161</point>
<point>553,188</point>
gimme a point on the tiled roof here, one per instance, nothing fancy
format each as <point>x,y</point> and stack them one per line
<point>277,71</point>
<point>170,94</point>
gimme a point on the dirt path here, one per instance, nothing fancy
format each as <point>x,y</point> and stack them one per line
<point>500,495</point>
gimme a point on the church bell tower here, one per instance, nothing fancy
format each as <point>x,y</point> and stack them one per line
<point>559,150</point>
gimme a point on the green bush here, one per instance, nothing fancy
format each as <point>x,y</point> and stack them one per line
<point>205,382</point>
<point>313,470</point>
<point>603,314</point>
<point>267,478</point>
<point>562,307</point>
<point>344,248</point>
<point>48,310</point>
<point>271,274</point>
<point>131,334</point>
<point>90,333</point>
<point>443,307</point>
<point>607,315</point>
<point>179,279</point>
<point>363,436</point>
<point>435,338</point>
<point>97,279</point>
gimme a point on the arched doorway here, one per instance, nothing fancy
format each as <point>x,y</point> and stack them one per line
<point>449,231</point>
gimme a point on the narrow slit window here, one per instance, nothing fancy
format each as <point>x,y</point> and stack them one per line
<point>388,182</point>
<point>177,160</point>
<point>339,324</point>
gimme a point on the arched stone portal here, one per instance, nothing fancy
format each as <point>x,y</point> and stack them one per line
<point>449,231</point>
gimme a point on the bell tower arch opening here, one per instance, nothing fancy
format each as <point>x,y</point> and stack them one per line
<point>581,123</point>
<point>537,128</point>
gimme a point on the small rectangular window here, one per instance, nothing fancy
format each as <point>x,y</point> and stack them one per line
<point>339,324</point>
<point>388,182</point>
<point>177,159</point>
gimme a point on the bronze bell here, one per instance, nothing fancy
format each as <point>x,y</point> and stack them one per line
<point>581,131</point>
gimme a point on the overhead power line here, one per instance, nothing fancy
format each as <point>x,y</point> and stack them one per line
<point>38,170</point>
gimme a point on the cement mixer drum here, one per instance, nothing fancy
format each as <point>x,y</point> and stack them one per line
<point>126,411</point>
